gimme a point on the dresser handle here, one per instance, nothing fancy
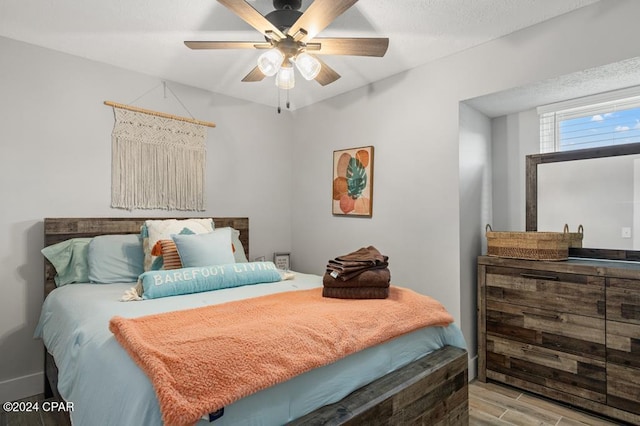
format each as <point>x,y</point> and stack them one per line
<point>540,277</point>
<point>538,353</point>
<point>548,316</point>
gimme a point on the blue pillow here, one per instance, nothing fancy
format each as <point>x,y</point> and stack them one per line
<point>158,262</point>
<point>154,230</point>
<point>70,260</point>
<point>115,258</point>
<point>156,284</point>
<point>213,248</point>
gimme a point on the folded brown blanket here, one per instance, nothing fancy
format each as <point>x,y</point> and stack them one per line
<point>356,293</point>
<point>365,254</point>
<point>347,266</point>
<point>347,272</point>
<point>368,278</point>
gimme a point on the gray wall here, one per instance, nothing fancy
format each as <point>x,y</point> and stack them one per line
<point>55,161</point>
<point>514,137</point>
<point>475,212</point>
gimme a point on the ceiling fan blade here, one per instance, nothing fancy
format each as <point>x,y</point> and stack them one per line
<point>318,15</point>
<point>327,74</point>
<point>254,75</point>
<point>227,45</point>
<point>351,46</point>
<point>251,16</point>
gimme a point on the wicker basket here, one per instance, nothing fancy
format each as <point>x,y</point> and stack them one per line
<point>575,238</point>
<point>528,245</point>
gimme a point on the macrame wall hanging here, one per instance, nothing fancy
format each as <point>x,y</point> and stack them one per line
<point>158,160</point>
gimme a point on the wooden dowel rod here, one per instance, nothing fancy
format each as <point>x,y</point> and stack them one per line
<point>159,114</point>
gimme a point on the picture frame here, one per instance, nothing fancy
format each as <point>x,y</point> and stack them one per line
<point>352,183</point>
<point>282,261</point>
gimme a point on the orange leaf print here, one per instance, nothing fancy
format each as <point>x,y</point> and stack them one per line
<point>340,187</point>
<point>347,203</point>
<point>363,156</point>
<point>343,164</point>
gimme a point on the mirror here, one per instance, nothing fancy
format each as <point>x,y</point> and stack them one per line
<point>597,188</point>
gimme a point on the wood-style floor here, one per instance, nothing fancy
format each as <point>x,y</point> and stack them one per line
<point>493,404</point>
<point>489,404</point>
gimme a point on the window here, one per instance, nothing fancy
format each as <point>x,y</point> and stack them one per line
<point>602,120</point>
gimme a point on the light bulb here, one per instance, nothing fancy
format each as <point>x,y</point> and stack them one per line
<point>308,66</point>
<point>285,78</point>
<point>270,61</point>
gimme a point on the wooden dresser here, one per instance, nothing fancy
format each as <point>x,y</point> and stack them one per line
<point>567,330</point>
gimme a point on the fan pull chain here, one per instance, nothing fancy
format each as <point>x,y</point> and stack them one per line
<point>288,103</point>
<point>279,110</point>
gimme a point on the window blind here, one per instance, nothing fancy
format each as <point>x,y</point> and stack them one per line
<point>599,120</point>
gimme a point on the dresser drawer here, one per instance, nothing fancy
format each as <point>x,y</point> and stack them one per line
<point>547,369</point>
<point>623,366</point>
<point>623,300</point>
<point>558,292</point>
<point>560,331</point>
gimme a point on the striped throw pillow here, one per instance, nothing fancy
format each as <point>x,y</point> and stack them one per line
<point>170,255</point>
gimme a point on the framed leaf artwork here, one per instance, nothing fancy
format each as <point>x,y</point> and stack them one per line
<point>353,182</point>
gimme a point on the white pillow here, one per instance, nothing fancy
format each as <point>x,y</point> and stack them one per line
<point>238,254</point>
<point>162,229</point>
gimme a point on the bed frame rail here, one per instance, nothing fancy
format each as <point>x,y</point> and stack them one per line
<point>430,391</point>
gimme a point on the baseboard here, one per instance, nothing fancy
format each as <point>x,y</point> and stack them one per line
<point>473,368</point>
<point>22,387</point>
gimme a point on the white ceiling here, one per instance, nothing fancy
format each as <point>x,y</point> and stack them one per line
<point>606,78</point>
<point>147,36</point>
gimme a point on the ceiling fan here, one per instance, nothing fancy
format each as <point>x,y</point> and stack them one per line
<point>291,39</point>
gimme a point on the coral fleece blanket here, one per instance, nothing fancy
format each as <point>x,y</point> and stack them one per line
<point>200,360</point>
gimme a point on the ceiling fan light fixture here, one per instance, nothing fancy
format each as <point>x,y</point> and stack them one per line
<point>289,34</point>
<point>286,78</point>
<point>270,62</point>
<point>308,66</point>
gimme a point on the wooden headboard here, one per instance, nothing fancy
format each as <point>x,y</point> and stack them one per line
<point>60,229</point>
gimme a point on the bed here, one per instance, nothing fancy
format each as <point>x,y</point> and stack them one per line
<point>417,378</point>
